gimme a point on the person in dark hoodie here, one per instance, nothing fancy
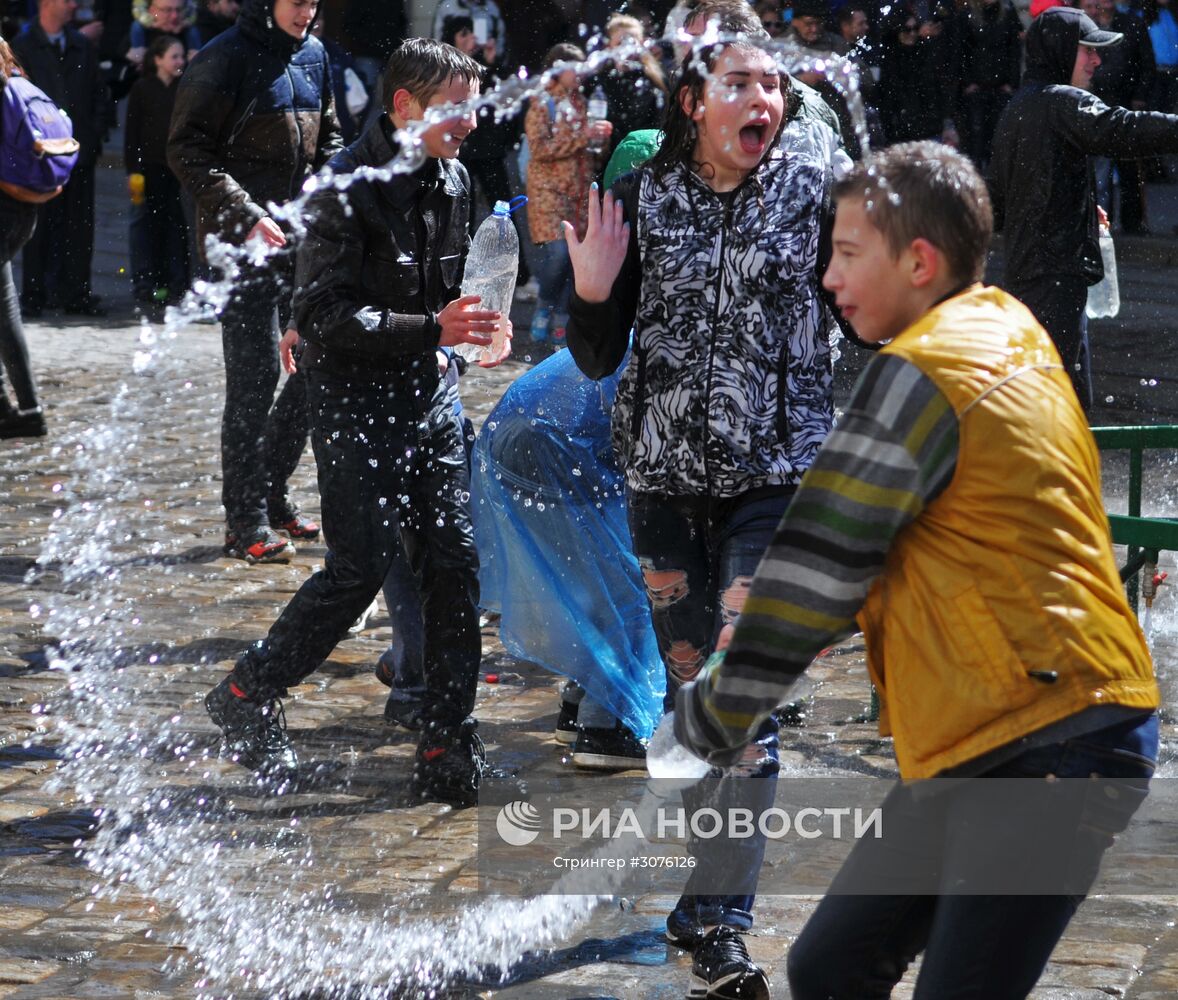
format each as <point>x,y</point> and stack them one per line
<point>1041,182</point>
<point>379,272</point>
<point>254,118</point>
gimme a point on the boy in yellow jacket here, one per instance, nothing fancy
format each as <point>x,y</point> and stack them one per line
<point>956,512</point>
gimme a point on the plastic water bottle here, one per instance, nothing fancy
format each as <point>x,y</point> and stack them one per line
<point>668,760</point>
<point>491,268</point>
<point>1104,298</point>
<point>598,112</point>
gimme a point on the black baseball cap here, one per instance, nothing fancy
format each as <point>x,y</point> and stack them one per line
<point>1088,33</point>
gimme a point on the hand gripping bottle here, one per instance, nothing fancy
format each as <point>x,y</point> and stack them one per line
<point>491,268</point>
<point>1104,298</point>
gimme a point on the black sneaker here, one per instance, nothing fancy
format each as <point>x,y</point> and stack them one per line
<point>451,766</point>
<point>23,423</point>
<point>255,734</point>
<point>722,970</point>
<point>259,545</point>
<point>566,730</point>
<point>616,749</point>
<point>683,930</point>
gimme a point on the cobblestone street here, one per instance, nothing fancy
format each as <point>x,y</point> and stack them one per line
<point>149,491</point>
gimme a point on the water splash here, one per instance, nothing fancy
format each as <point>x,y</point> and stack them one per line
<point>261,905</point>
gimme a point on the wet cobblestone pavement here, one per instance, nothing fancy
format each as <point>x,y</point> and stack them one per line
<point>197,610</point>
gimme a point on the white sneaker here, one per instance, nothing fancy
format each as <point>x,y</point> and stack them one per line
<point>361,623</point>
<point>528,292</point>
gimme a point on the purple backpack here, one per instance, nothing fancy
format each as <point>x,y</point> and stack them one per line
<point>38,149</point>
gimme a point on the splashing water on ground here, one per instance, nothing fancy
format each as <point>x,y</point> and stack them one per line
<point>239,863</point>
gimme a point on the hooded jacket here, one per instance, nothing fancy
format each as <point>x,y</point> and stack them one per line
<point>1040,179</point>
<point>254,118</point>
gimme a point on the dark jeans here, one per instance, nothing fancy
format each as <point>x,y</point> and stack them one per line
<point>698,556</point>
<point>405,656</point>
<point>17,222</point>
<point>56,263</point>
<point>393,483</point>
<point>1058,303</point>
<point>976,947</point>
<point>261,438</point>
<point>167,233</point>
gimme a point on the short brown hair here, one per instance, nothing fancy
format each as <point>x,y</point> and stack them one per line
<point>423,66</point>
<point>925,190</point>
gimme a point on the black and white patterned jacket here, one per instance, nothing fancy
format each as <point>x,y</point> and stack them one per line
<point>729,385</point>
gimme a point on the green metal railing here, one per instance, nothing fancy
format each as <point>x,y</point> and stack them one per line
<point>1144,536</point>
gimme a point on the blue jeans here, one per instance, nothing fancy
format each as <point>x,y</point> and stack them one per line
<point>554,272</point>
<point>698,556</point>
<point>976,947</point>
<point>17,221</point>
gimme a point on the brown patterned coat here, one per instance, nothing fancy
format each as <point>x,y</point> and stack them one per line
<point>561,167</point>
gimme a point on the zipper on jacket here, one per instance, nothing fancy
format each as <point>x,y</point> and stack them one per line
<point>725,222</point>
<point>296,182</point>
<point>782,393</point>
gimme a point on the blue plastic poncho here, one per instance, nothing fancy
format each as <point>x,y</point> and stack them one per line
<point>554,547</point>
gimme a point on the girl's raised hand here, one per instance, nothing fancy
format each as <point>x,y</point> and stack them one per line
<point>598,258</point>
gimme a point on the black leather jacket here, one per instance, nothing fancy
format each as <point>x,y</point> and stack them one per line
<point>1040,179</point>
<point>377,263</point>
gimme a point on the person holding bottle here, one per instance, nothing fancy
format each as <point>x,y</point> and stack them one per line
<point>561,168</point>
<point>150,180</point>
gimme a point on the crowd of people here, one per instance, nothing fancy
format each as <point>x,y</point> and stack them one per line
<point>698,244</point>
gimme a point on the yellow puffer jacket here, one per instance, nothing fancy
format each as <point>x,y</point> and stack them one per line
<point>1000,609</point>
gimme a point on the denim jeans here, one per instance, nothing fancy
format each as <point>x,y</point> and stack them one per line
<point>262,438</point>
<point>554,272</point>
<point>698,556</point>
<point>394,486</point>
<point>16,226</point>
<point>976,946</point>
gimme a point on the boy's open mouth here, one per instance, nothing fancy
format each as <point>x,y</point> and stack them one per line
<point>752,137</point>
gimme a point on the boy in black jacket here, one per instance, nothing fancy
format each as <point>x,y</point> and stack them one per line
<point>378,280</point>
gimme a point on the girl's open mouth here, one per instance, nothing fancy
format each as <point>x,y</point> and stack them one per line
<point>752,138</point>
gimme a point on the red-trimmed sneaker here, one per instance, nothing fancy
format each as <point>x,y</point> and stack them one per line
<point>259,546</point>
<point>254,733</point>
<point>451,766</point>
<point>295,523</point>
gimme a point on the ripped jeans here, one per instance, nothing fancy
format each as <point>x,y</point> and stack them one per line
<point>698,556</point>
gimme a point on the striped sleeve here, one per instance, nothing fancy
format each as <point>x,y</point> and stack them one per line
<point>892,453</point>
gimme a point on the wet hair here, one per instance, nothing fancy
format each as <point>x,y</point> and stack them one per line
<point>680,133</point>
<point>158,47</point>
<point>924,190</point>
<point>564,52</point>
<point>423,66</point>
